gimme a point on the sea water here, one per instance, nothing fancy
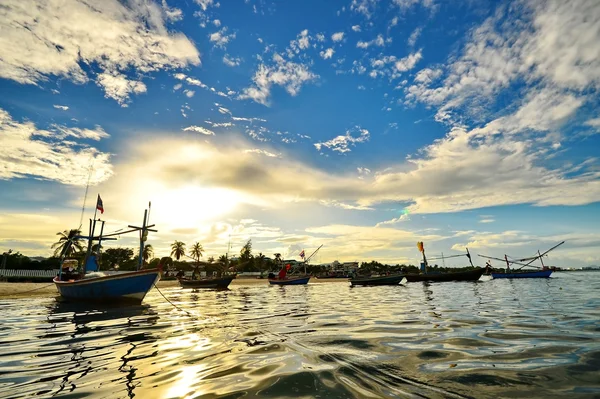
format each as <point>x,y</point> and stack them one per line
<point>537,338</point>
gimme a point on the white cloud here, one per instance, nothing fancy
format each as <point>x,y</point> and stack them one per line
<point>414,36</point>
<point>327,53</point>
<point>62,36</point>
<point>361,87</point>
<point>63,107</point>
<point>542,43</point>
<point>365,7</point>
<point>221,38</point>
<point>487,220</point>
<point>394,22</point>
<point>172,14</point>
<point>177,86</point>
<point>427,75</point>
<point>406,4</point>
<point>283,73</point>
<point>320,37</point>
<point>356,28</point>
<point>231,61</point>
<point>593,123</point>
<point>51,154</point>
<point>263,152</point>
<point>220,124</point>
<point>199,129</point>
<point>378,41</point>
<point>189,93</point>
<point>217,23</point>
<point>204,4</point>
<point>343,143</point>
<point>118,87</point>
<point>337,37</point>
<point>409,62</point>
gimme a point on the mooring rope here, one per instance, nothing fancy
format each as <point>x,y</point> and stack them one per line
<point>25,292</point>
<point>175,306</point>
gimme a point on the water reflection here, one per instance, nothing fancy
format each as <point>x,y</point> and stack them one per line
<point>464,339</point>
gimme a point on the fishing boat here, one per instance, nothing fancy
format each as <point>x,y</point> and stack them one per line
<point>218,282</point>
<point>469,275</point>
<point>524,274</point>
<point>92,285</point>
<point>425,275</point>
<point>284,279</point>
<point>294,280</point>
<point>543,272</point>
<point>393,279</point>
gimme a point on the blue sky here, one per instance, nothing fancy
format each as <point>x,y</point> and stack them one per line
<point>363,125</point>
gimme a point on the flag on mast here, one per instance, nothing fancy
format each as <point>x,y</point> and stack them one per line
<point>302,254</point>
<point>99,205</point>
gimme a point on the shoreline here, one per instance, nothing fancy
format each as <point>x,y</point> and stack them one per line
<point>36,290</point>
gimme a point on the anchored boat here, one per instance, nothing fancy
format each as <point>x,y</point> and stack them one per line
<point>425,275</point>
<point>393,279</point>
<point>218,282</point>
<point>91,285</point>
<point>284,279</point>
<point>544,271</point>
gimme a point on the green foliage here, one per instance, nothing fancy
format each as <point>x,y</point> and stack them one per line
<point>67,244</point>
<point>148,252</point>
<point>17,260</point>
<point>178,249</point>
<point>123,257</point>
<point>197,251</point>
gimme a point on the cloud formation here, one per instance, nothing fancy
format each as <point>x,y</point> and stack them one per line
<point>59,153</point>
<point>114,37</point>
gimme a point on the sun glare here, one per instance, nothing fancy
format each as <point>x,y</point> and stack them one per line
<point>192,205</point>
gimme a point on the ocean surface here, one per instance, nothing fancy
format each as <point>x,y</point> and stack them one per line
<point>488,339</point>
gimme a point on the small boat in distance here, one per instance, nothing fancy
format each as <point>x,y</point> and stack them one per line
<point>217,282</point>
<point>544,272</point>
<point>468,275</point>
<point>91,285</point>
<point>393,279</point>
<point>284,279</point>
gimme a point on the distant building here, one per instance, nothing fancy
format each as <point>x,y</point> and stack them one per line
<point>590,268</point>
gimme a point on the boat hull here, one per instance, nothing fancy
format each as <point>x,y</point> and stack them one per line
<point>207,283</point>
<point>122,287</point>
<point>383,280</point>
<point>290,281</point>
<point>534,274</point>
<point>471,275</point>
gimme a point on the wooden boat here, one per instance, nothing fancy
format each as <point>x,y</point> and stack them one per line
<point>126,287</point>
<point>470,275</point>
<point>393,279</point>
<point>293,280</point>
<point>218,282</point>
<point>544,272</point>
<point>524,274</point>
<point>90,285</point>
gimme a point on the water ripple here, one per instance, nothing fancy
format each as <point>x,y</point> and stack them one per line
<point>535,338</point>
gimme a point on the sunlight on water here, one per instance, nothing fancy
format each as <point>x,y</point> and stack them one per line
<point>534,338</point>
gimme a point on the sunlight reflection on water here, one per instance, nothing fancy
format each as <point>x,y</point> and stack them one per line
<point>539,338</point>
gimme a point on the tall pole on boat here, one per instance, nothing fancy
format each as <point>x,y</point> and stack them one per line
<point>469,256</point>
<point>100,244</point>
<point>143,236</point>
<point>90,241</point>
<point>541,260</point>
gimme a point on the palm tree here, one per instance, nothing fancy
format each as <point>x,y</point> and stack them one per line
<point>147,253</point>
<point>68,243</point>
<point>211,259</point>
<point>278,259</point>
<point>260,261</point>
<point>197,251</point>
<point>178,249</point>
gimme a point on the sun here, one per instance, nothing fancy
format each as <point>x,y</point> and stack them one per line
<point>191,205</point>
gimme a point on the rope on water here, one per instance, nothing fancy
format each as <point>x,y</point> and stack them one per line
<point>175,306</point>
<point>26,292</point>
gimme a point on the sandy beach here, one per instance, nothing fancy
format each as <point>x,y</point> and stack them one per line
<point>28,290</point>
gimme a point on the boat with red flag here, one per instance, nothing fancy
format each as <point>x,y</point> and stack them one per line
<point>426,275</point>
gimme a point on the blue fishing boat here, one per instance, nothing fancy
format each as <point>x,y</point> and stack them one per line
<point>544,272</point>
<point>92,285</point>
<point>299,280</point>
<point>129,287</point>
<point>524,274</point>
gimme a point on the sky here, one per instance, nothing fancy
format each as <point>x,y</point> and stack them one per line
<point>360,125</point>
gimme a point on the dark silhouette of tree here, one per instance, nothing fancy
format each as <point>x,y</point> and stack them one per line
<point>178,249</point>
<point>67,244</point>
